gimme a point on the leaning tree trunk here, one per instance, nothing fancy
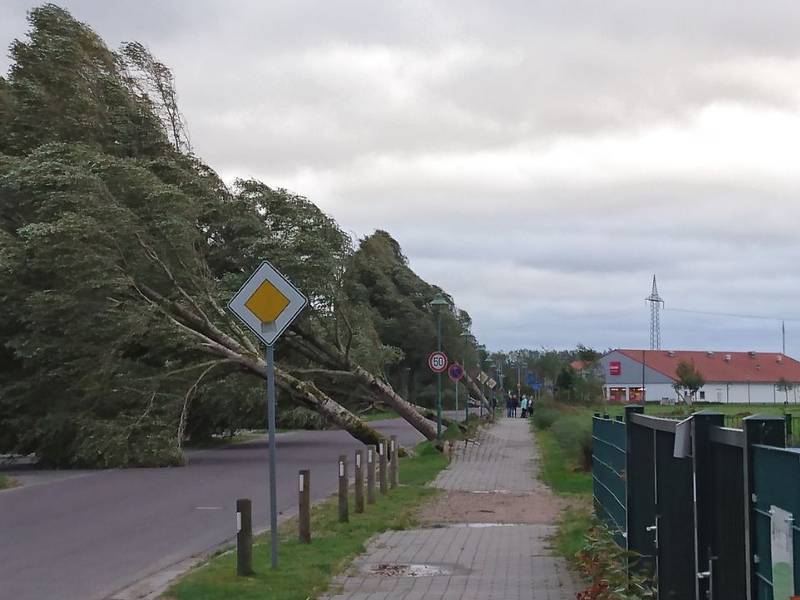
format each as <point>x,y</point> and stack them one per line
<point>477,390</point>
<point>213,340</point>
<point>403,408</point>
<point>326,354</point>
<point>315,399</point>
<point>306,394</point>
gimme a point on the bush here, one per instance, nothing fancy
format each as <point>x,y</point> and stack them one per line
<point>545,416</point>
<point>574,435</point>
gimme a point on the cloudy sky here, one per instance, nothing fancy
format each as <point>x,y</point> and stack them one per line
<point>539,160</point>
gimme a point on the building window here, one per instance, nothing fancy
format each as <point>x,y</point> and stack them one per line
<point>702,395</point>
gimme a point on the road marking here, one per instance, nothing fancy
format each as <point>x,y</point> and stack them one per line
<point>208,508</point>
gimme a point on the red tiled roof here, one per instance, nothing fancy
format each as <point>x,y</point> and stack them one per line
<point>757,367</point>
<point>578,365</point>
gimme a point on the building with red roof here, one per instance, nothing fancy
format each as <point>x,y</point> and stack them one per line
<point>731,377</point>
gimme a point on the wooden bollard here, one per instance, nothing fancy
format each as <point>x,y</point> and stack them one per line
<point>344,514</point>
<point>304,516</point>
<point>394,477</point>
<point>384,479</point>
<point>244,537</point>
<point>371,453</point>
<point>359,481</point>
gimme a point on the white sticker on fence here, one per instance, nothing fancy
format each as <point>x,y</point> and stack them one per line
<point>341,469</point>
<point>238,522</point>
<point>302,482</point>
<point>358,461</point>
<point>782,547</point>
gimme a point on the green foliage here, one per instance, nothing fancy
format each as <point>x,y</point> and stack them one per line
<point>605,565</point>
<point>307,569</point>
<point>574,435</point>
<point>688,380</point>
<point>544,416</point>
<point>109,229</point>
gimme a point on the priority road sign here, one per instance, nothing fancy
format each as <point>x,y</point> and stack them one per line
<point>491,383</point>
<point>455,372</point>
<point>437,361</point>
<point>267,303</point>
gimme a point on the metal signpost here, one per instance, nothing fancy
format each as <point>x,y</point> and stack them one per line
<point>437,361</point>
<point>456,372</point>
<point>267,304</point>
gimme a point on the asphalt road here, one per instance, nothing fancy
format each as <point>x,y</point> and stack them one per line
<point>85,535</point>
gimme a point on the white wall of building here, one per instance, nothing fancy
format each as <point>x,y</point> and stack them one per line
<point>731,393</point>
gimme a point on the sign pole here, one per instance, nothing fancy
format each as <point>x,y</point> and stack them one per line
<point>439,383</point>
<point>273,495</point>
<point>456,395</point>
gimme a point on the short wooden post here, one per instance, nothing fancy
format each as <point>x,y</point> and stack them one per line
<point>359,481</point>
<point>371,453</point>
<point>244,537</point>
<point>304,517</point>
<point>395,466</point>
<point>383,464</point>
<point>344,515</point>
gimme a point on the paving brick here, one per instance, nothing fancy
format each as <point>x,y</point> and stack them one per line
<point>475,562</point>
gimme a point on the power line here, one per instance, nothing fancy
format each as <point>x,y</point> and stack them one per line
<point>726,314</point>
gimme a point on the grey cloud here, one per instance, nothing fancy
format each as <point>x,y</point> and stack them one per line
<point>428,118</point>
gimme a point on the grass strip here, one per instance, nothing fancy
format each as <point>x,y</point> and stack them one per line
<point>559,467</point>
<point>6,482</point>
<point>306,570</point>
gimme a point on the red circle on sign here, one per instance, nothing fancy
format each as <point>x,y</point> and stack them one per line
<point>455,372</point>
<point>437,361</point>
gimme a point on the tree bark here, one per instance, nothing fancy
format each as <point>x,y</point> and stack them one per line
<point>332,357</point>
<point>214,341</point>
<point>393,399</point>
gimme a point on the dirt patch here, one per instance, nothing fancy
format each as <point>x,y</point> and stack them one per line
<point>493,507</point>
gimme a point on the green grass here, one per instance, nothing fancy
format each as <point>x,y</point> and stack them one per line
<point>560,469</point>
<point>6,482</point>
<point>306,570</point>
<point>571,535</point>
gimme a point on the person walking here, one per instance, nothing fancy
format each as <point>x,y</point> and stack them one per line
<point>524,406</point>
<point>514,405</point>
<point>509,406</point>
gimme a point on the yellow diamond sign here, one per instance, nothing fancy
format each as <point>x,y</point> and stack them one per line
<point>267,303</point>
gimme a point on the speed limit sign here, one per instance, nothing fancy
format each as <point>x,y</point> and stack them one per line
<point>437,361</point>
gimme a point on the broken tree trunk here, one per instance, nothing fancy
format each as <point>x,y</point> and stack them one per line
<point>214,341</point>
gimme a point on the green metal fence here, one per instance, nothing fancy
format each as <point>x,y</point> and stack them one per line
<point>706,510</point>
<point>608,473</point>
<point>776,484</point>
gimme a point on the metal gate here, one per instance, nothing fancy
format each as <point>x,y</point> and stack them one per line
<point>660,506</point>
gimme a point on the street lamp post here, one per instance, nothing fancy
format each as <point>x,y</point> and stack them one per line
<point>438,302</point>
<point>469,337</point>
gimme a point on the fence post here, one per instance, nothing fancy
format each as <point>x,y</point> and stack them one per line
<point>359,481</point>
<point>244,537</point>
<point>704,500</point>
<point>344,516</point>
<point>630,500</point>
<point>304,499</point>
<point>758,429</point>
<point>371,474</point>
<point>394,478</point>
<point>788,418</point>
<point>384,482</point>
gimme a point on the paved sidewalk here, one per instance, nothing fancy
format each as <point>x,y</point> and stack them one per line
<point>469,560</point>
